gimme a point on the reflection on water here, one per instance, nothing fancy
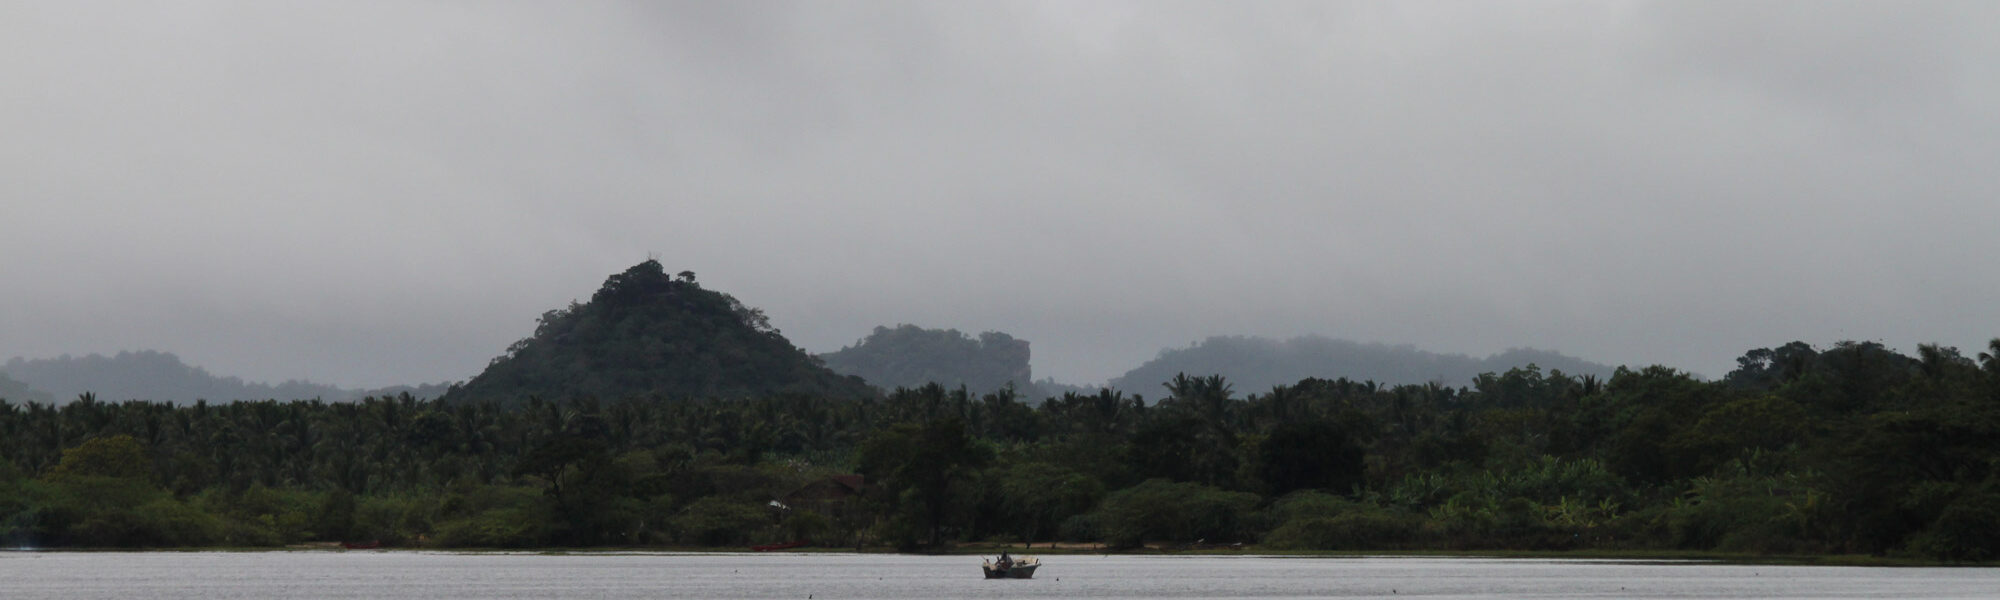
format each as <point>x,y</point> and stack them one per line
<point>433,575</point>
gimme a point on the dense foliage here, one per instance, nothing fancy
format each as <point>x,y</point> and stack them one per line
<point>1850,449</point>
<point>911,356</point>
<point>1258,363</point>
<point>645,333</point>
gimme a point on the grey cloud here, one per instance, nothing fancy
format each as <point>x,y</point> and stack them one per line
<point>371,193</point>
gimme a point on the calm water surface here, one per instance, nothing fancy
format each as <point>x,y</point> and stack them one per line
<point>440,575</point>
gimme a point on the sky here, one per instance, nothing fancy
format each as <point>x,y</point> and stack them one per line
<point>369,193</point>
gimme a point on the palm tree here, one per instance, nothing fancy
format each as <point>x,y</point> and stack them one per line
<point>1990,359</point>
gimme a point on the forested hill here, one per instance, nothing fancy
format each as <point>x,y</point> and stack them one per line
<point>910,356</point>
<point>151,375</point>
<point>1256,363</point>
<point>648,334</point>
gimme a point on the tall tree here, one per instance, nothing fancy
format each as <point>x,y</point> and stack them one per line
<point>922,470</point>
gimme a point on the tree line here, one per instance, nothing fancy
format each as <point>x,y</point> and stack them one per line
<point>1854,448</point>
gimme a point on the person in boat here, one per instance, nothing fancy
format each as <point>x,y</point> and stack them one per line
<point>1005,561</point>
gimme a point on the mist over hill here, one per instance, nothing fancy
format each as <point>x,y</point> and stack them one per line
<point>163,377</point>
<point>1257,363</point>
<point>911,356</point>
<point>16,392</point>
<point>646,333</point>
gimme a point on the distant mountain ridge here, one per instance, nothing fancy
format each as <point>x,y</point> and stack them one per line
<point>162,377</point>
<point>647,334</point>
<point>1257,363</point>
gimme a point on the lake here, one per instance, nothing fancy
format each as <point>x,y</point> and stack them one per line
<point>835,576</point>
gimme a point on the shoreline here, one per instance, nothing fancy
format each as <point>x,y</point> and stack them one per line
<point>1644,556</point>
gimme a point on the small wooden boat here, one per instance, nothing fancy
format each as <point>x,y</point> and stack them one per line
<point>1008,567</point>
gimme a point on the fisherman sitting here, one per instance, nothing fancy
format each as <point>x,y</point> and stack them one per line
<point>1005,562</point>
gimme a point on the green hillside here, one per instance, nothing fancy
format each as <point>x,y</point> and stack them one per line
<point>646,333</point>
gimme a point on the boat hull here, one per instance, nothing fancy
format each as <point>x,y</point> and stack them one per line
<point>1015,572</point>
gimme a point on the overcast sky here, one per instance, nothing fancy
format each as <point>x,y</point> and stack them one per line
<point>371,193</point>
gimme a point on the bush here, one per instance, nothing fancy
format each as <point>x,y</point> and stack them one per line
<point>261,516</point>
<point>498,528</point>
<point>1309,504</point>
<point>806,525</point>
<point>1163,511</point>
<point>715,521</point>
<point>1550,479</point>
<point>1968,530</point>
<point>161,522</point>
<point>392,519</point>
<point>1081,528</point>
<point>172,523</point>
<point>1362,529</point>
<point>1735,515</point>
<point>87,510</point>
<point>22,503</point>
